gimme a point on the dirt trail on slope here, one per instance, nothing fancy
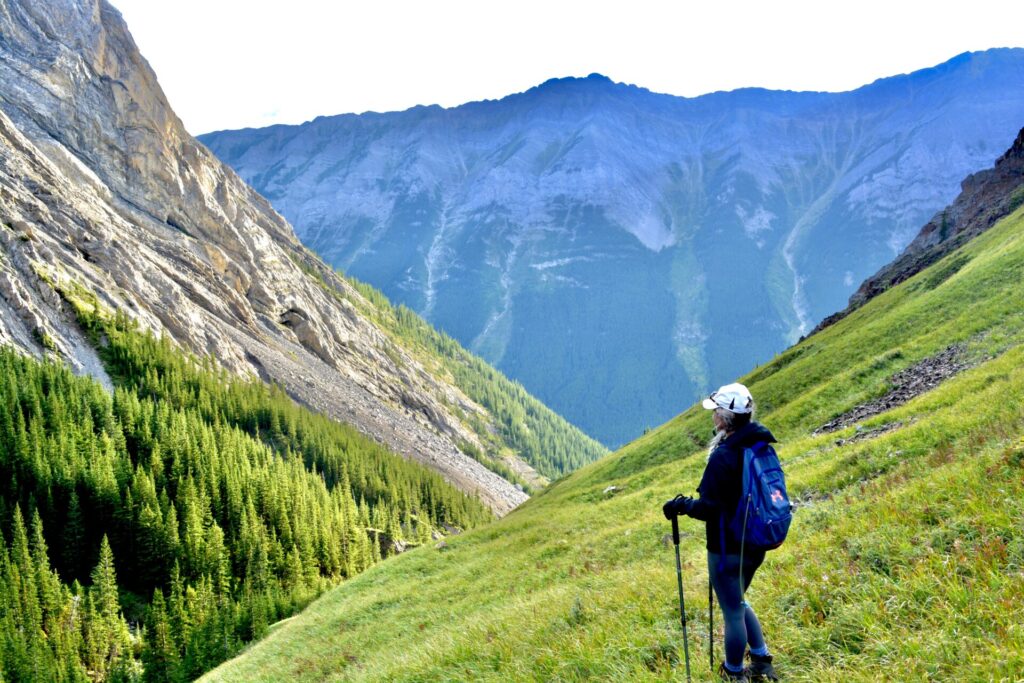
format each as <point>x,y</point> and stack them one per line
<point>906,384</point>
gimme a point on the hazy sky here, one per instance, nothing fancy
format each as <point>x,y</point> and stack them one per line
<point>231,64</point>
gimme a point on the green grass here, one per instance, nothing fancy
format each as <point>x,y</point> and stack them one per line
<point>906,559</point>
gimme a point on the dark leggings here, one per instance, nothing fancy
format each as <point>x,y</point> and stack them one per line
<point>741,624</point>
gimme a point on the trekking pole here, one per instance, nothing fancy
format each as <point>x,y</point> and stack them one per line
<point>682,602</point>
<point>711,626</point>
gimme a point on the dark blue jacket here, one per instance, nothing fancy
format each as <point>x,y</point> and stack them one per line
<point>722,485</point>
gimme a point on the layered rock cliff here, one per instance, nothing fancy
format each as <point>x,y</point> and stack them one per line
<point>106,199</point>
<point>985,197</point>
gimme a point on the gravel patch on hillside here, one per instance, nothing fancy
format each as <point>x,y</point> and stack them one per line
<point>906,384</point>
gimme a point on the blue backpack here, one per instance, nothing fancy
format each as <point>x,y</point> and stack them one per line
<point>764,513</point>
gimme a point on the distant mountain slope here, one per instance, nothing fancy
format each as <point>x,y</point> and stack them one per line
<point>985,198</point>
<point>600,243</point>
<point>904,561</point>
<point>103,193</point>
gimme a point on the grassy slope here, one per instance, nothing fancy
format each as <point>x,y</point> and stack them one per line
<point>906,559</point>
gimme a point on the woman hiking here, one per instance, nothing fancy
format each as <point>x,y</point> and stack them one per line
<point>719,493</point>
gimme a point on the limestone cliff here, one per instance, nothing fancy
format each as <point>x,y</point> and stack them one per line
<point>985,197</point>
<point>103,193</point>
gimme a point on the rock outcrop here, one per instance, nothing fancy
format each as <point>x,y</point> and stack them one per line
<point>985,198</point>
<point>106,199</point>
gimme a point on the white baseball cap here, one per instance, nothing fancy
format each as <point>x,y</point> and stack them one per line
<point>734,397</point>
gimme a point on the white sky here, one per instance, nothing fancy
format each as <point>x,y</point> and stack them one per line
<point>231,63</point>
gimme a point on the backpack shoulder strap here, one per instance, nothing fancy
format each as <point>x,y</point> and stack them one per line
<point>748,456</point>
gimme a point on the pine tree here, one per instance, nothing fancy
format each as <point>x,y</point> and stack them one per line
<point>181,624</point>
<point>24,579</point>
<point>108,637</point>
<point>73,544</point>
<point>47,583</point>
<point>160,657</point>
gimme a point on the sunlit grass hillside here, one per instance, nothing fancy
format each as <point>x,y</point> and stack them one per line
<point>905,562</point>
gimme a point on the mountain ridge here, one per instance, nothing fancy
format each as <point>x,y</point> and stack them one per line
<point>612,209</point>
<point>599,78</point>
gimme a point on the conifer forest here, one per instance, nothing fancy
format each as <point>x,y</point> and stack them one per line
<point>155,531</point>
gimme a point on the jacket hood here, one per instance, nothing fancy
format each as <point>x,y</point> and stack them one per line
<point>750,433</point>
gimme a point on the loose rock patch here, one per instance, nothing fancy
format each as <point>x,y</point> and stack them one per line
<point>906,384</point>
<point>862,434</point>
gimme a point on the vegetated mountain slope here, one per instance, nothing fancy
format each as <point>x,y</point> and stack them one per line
<point>905,561</point>
<point>217,497</point>
<point>601,243</point>
<point>102,191</point>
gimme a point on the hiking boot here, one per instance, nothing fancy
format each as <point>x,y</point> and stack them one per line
<point>761,668</point>
<point>727,675</point>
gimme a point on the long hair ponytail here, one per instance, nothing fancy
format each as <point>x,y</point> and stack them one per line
<point>733,422</point>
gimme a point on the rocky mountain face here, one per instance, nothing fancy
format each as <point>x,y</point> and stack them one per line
<point>106,201</point>
<point>985,197</point>
<point>618,251</point>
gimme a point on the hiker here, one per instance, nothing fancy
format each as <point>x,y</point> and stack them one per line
<point>719,494</point>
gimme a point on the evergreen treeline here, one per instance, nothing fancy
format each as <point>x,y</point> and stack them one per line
<point>543,439</point>
<point>222,505</point>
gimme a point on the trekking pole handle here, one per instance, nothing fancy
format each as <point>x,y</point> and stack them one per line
<point>675,529</point>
